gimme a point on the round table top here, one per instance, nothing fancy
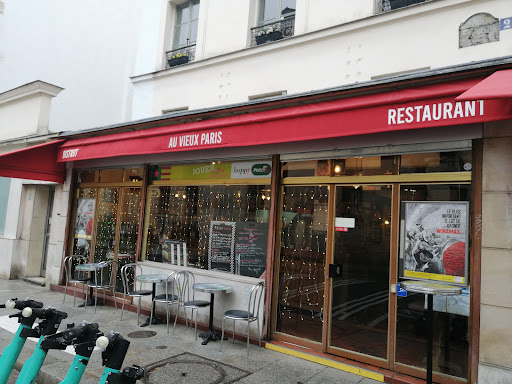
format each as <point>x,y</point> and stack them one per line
<point>152,277</point>
<point>431,288</point>
<point>213,287</point>
<point>87,267</point>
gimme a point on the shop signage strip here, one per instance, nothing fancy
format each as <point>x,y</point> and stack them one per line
<point>305,124</point>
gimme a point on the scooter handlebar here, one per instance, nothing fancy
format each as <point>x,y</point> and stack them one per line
<point>21,304</point>
<point>43,313</point>
<point>80,330</point>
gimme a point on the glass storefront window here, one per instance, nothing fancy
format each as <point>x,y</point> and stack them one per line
<point>436,162</point>
<point>84,221</point>
<point>451,315</point>
<point>106,221</point>
<point>458,161</point>
<point>217,227</point>
<point>88,177</point>
<point>111,175</point>
<point>133,174</point>
<point>129,220</point>
<point>302,261</point>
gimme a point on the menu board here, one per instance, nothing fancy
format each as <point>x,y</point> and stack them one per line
<point>251,248</point>
<point>222,246</point>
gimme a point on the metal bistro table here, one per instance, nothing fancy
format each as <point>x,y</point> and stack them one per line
<point>153,278</point>
<point>88,267</point>
<point>212,289</point>
<point>430,289</point>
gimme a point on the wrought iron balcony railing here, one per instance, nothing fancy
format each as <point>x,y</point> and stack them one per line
<point>389,5</point>
<point>273,31</point>
<point>180,56</point>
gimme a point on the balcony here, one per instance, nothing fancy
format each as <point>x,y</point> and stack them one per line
<point>180,56</point>
<point>389,5</point>
<point>269,32</point>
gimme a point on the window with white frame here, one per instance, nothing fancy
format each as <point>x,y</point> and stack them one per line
<point>276,21</point>
<point>275,10</point>
<point>185,27</point>
<point>5,185</point>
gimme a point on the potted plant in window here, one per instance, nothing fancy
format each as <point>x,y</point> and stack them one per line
<point>267,35</point>
<point>178,59</point>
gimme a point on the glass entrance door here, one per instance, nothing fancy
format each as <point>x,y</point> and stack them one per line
<point>360,286</point>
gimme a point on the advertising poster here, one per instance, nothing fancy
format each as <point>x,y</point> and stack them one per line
<point>84,221</point>
<point>435,245</point>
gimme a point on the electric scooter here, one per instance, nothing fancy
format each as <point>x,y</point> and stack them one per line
<point>11,352</point>
<point>83,337</point>
<point>114,352</point>
<point>51,319</point>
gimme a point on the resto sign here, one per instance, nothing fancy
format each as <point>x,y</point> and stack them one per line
<point>435,111</point>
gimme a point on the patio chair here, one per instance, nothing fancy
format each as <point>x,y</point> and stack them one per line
<point>250,315</point>
<point>71,276</point>
<point>128,273</point>
<point>170,297</point>
<point>185,281</point>
<point>103,280</point>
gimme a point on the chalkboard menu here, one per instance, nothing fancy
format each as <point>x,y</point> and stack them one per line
<point>222,246</point>
<point>251,248</point>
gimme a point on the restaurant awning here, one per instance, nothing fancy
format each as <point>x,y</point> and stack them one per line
<point>427,106</point>
<point>496,86</point>
<point>38,162</point>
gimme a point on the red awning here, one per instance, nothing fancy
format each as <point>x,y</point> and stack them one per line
<point>427,106</point>
<point>496,86</point>
<point>38,162</point>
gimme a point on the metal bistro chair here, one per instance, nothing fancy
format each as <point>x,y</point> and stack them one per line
<point>170,297</point>
<point>250,315</point>
<point>126,270</point>
<point>78,277</point>
<point>184,282</point>
<point>102,281</point>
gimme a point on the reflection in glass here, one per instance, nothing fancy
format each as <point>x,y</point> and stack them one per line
<point>457,161</point>
<point>106,220</point>
<point>184,215</point>
<point>360,297</point>
<point>451,315</point>
<point>82,232</point>
<point>302,261</point>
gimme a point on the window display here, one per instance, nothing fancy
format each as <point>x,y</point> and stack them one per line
<point>216,227</point>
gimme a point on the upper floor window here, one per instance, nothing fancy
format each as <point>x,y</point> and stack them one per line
<point>275,10</point>
<point>185,33</point>
<point>276,20</point>
<point>185,29</point>
<point>388,5</point>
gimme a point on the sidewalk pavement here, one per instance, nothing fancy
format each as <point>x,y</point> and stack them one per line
<point>168,358</point>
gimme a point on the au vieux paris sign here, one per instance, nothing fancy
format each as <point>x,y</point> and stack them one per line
<point>424,113</point>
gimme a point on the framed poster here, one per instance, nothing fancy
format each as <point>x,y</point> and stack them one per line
<point>84,218</point>
<point>435,241</point>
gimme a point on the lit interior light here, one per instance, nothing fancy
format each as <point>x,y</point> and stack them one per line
<point>337,169</point>
<point>386,222</point>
